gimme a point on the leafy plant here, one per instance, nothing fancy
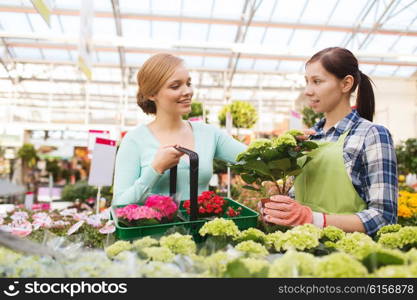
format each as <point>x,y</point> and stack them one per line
<point>310,117</point>
<point>244,115</point>
<point>407,156</point>
<point>196,111</point>
<point>271,160</point>
<point>28,154</point>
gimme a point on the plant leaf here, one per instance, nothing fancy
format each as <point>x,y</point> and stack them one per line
<point>281,164</point>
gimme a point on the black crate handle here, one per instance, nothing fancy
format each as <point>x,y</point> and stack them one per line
<point>193,181</point>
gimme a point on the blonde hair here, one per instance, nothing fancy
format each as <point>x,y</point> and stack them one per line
<point>152,76</point>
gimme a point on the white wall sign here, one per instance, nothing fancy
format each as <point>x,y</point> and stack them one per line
<point>102,164</point>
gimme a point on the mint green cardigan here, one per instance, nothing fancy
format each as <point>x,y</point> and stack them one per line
<point>135,178</point>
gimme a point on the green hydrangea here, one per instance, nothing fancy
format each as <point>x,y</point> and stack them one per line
<point>259,144</point>
<point>220,227</point>
<point>390,240</point>
<point>118,247</point>
<point>251,234</point>
<point>145,242</point>
<point>284,141</point>
<point>295,132</point>
<point>405,237</point>
<point>247,267</point>
<point>388,229</point>
<point>179,244</point>
<point>271,238</point>
<point>393,272</point>
<point>413,269</point>
<point>158,254</point>
<point>329,244</point>
<point>254,265</point>
<point>293,264</point>
<point>217,263</point>
<point>352,241</point>
<point>339,265</point>
<point>157,269</point>
<point>308,229</point>
<point>252,248</point>
<point>332,233</point>
<point>300,239</point>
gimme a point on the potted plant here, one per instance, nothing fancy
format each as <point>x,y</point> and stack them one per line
<point>196,111</point>
<point>310,117</point>
<point>244,115</point>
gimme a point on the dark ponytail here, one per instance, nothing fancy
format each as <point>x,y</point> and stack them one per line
<point>365,99</point>
<point>341,62</point>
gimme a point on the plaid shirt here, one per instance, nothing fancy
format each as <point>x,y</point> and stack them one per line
<point>371,164</point>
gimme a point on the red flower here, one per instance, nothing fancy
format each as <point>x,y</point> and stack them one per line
<point>208,204</point>
<point>233,213</point>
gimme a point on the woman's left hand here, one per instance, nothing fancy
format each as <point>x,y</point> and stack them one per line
<point>283,210</point>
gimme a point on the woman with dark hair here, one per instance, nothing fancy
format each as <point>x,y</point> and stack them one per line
<point>351,182</point>
<point>147,151</point>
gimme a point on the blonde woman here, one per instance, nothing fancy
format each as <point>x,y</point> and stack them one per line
<point>147,152</point>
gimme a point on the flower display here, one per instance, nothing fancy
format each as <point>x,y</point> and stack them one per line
<point>161,254</point>
<point>144,242</point>
<point>251,234</point>
<point>163,204</point>
<point>332,233</point>
<point>247,267</point>
<point>387,229</point>
<point>209,204</point>
<point>118,247</point>
<point>179,244</point>
<point>393,272</point>
<point>252,248</point>
<point>407,208</point>
<point>299,238</point>
<point>352,241</point>
<point>339,265</point>
<point>404,239</point>
<point>138,215</point>
<point>219,227</point>
<point>271,238</point>
<point>293,264</point>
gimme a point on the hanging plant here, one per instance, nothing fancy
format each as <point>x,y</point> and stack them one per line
<point>244,114</point>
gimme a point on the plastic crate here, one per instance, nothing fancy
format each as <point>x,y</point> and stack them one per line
<point>247,218</point>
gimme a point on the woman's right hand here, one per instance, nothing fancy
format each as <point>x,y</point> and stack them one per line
<point>165,158</point>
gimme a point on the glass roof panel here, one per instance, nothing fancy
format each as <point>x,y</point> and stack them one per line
<point>329,39</point>
<point>228,9</point>
<point>222,33</point>
<point>26,53</point>
<point>265,10</point>
<point>165,7</point>
<point>71,25</point>
<point>73,4</point>
<point>128,6</point>
<point>54,54</point>
<point>193,32</point>
<point>286,66</point>
<point>15,22</point>
<point>277,37</point>
<point>108,57</point>
<point>265,64</point>
<point>216,62</point>
<point>288,11</point>
<point>378,42</point>
<point>197,8</point>
<point>104,26</point>
<point>193,61</point>
<point>355,9</point>
<point>165,31</point>
<point>136,58</point>
<point>385,71</point>
<point>245,64</point>
<point>318,14</point>
<point>255,35</point>
<point>303,39</point>
<point>137,29</point>
<point>406,44</point>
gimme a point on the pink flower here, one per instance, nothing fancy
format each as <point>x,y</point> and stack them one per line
<point>136,212</point>
<point>19,215</point>
<point>68,212</point>
<point>41,220</point>
<point>75,227</point>
<point>164,204</point>
<point>21,228</point>
<point>60,224</point>
<point>94,221</point>
<point>108,227</point>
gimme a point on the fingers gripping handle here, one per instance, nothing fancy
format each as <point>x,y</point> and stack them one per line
<point>193,181</point>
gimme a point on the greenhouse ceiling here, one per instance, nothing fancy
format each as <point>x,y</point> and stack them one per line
<point>248,50</point>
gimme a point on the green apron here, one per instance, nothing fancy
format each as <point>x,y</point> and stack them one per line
<point>324,184</point>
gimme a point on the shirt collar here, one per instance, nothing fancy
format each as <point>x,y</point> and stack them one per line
<point>343,125</point>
